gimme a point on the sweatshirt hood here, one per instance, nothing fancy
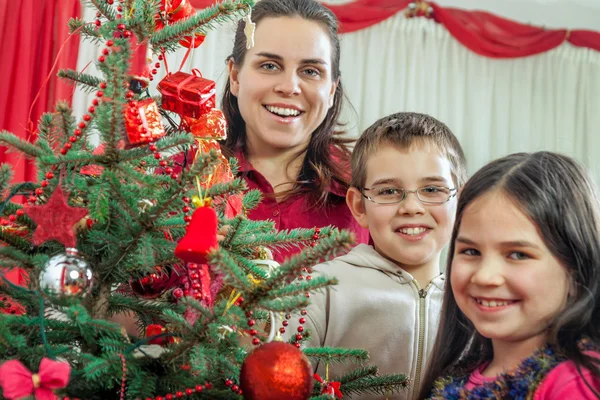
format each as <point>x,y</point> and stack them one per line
<point>365,256</point>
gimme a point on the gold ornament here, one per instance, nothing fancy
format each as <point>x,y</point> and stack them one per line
<point>249,29</point>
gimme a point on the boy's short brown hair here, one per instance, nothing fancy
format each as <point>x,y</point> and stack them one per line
<point>404,130</point>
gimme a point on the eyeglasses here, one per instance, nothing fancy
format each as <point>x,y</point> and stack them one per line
<point>426,195</point>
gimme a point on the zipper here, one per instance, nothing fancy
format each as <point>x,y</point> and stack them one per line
<point>421,345</point>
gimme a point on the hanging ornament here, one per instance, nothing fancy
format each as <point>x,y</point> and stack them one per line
<point>211,125</point>
<point>172,11</point>
<point>143,122</point>
<point>140,66</point>
<point>192,42</point>
<point>157,329</point>
<point>249,29</point>
<point>275,371</point>
<point>186,94</point>
<point>153,285</point>
<point>66,274</point>
<point>329,388</point>
<point>18,382</point>
<point>264,260</point>
<point>200,237</point>
<point>55,219</point>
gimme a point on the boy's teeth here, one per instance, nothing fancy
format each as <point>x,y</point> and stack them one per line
<point>412,231</point>
<point>284,112</point>
<point>493,303</point>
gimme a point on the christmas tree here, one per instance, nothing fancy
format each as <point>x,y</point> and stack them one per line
<point>120,231</point>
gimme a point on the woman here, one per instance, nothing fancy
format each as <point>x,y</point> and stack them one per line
<point>282,104</point>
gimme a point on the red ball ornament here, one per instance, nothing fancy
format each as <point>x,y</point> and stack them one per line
<point>275,371</point>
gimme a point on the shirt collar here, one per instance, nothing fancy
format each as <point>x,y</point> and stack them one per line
<point>336,188</point>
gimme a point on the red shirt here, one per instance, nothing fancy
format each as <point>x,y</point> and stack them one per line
<point>296,212</point>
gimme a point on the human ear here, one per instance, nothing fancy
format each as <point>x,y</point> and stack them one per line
<point>356,204</point>
<point>234,84</point>
<point>332,93</point>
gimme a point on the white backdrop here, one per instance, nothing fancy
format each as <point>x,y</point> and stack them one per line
<point>495,107</point>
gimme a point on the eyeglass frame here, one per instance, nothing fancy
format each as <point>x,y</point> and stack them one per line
<point>453,192</point>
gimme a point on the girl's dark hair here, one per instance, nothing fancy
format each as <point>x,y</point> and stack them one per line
<point>327,156</point>
<point>557,194</point>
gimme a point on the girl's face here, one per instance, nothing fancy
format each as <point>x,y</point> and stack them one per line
<point>285,86</point>
<point>504,278</point>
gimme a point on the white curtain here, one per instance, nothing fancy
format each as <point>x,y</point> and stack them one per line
<point>495,107</point>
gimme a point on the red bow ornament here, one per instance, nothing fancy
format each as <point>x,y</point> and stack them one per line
<point>329,388</point>
<point>18,382</point>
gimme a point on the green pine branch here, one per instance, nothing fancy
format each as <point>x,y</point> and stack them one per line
<point>85,28</point>
<point>25,147</point>
<point>235,186</point>
<point>331,355</point>
<point>252,199</point>
<point>86,82</point>
<point>201,22</point>
<point>250,266</point>
<point>384,385</point>
<point>358,373</point>
<point>325,248</point>
<point>6,175</point>
<point>17,248</point>
<point>103,8</point>
<point>284,304</point>
<point>314,284</point>
<point>234,275</point>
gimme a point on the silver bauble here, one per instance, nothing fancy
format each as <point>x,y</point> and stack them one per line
<point>66,274</point>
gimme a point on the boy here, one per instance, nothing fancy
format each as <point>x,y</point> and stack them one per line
<point>407,169</point>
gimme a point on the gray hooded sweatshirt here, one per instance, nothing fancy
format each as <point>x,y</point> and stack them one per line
<point>378,307</point>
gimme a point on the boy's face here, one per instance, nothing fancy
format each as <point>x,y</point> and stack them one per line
<point>409,233</point>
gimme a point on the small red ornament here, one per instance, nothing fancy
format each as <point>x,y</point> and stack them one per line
<point>173,10</point>
<point>192,42</point>
<point>200,237</point>
<point>153,285</point>
<point>329,388</point>
<point>155,330</point>
<point>55,220</point>
<point>151,127</point>
<point>276,371</point>
<point>187,94</point>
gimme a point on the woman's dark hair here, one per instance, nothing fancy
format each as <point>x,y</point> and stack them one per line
<point>557,194</point>
<point>327,156</point>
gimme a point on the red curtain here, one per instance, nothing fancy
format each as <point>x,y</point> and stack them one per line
<point>32,33</point>
<point>483,33</point>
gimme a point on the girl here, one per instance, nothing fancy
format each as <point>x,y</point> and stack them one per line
<point>282,104</point>
<point>522,317</point>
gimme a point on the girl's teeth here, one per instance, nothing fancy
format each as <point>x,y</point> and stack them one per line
<point>412,231</point>
<point>283,112</point>
<point>493,303</point>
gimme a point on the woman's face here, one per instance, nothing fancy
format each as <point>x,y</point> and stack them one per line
<point>285,86</point>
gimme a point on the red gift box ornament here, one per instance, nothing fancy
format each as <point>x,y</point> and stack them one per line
<point>143,123</point>
<point>200,237</point>
<point>186,94</point>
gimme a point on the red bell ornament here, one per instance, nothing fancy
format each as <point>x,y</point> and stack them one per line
<point>200,237</point>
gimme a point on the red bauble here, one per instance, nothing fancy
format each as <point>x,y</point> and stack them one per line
<point>276,371</point>
<point>153,285</point>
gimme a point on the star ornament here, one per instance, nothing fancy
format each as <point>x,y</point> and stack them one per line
<point>55,220</point>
